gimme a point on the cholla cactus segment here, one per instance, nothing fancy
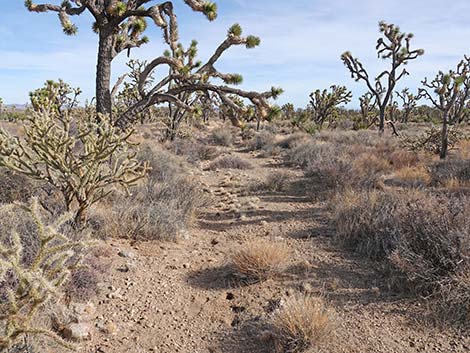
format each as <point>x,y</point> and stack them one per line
<point>79,153</point>
<point>35,283</point>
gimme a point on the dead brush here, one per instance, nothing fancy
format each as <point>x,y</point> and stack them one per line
<point>261,259</point>
<point>277,182</point>
<point>230,162</point>
<point>303,322</point>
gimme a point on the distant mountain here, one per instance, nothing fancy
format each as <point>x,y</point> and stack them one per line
<point>16,106</point>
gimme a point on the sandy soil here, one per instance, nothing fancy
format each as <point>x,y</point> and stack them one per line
<point>185,297</point>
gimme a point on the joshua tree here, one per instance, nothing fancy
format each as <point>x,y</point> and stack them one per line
<point>450,94</point>
<point>368,105</point>
<point>409,101</point>
<point>394,46</point>
<point>187,77</point>
<point>120,25</point>
<point>325,104</point>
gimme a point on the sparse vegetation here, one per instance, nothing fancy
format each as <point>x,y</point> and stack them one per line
<point>261,259</point>
<point>303,322</point>
<point>35,282</point>
<point>230,162</point>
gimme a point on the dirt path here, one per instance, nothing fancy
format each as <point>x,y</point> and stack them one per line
<point>184,297</point>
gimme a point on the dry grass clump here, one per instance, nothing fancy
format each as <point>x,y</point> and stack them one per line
<point>303,322</point>
<point>424,238</point>
<point>410,177</point>
<point>163,207</point>
<point>230,162</point>
<point>261,259</point>
<point>222,136</point>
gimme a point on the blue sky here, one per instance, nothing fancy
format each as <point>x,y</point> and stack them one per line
<point>302,41</point>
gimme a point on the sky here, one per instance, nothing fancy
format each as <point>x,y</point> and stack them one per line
<point>301,44</point>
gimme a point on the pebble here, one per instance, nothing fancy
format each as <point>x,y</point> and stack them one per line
<point>126,253</point>
<point>77,331</point>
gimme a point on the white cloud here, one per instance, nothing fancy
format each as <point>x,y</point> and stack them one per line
<point>302,41</point>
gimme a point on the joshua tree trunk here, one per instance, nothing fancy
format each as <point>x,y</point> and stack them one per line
<point>444,138</point>
<point>382,120</point>
<point>103,72</point>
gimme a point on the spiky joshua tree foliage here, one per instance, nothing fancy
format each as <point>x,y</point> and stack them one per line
<point>325,103</point>
<point>189,78</point>
<point>408,103</point>
<point>395,46</point>
<point>450,94</point>
<point>33,284</point>
<point>81,156</point>
<point>120,25</point>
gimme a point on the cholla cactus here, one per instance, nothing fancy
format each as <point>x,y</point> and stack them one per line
<point>325,104</point>
<point>188,78</point>
<point>394,46</point>
<point>450,94</point>
<point>82,156</point>
<point>36,283</point>
<point>120,25</point>
<point>57,96</point>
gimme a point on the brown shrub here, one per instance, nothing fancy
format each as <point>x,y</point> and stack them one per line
<point>261,259</point>
<point>402,158</point>
<point>163,207</point>
<point>230,162</point>
<point>277,181</point>
<point>424,238</point>
<point>222,136</point>
<point>452,168</point>
<point>15,187</point>
<point>410,177</point>
<point>303,322</point>
<point>193,150</point>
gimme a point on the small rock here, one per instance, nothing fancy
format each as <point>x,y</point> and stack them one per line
<point>126,253</point>
<point>108,327</point>
<point>77,332</point>
<point>186,265</point>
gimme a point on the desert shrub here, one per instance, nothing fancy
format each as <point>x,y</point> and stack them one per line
<point>424,238</point>
<point>367,170</point>
<point>277,181</point>
<point>410,177</point>
<point>163,207</point>
<point>302,323</point>
<point>402,158</point>
<point>294,140</point>
<point>15,187</point>
<point>230,162</point>
<point>30,286</point>
<point>193,150</point>
<point>162,165</point>
<point>262,140</point>
<point>261,259</point>
<point>222,136</point>
<point>452,168</point>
